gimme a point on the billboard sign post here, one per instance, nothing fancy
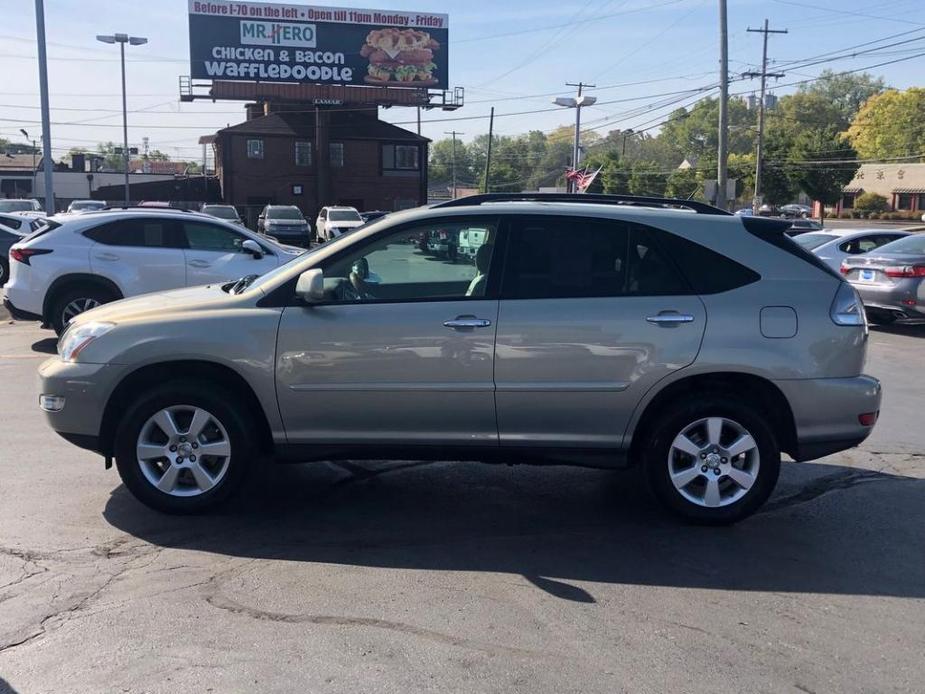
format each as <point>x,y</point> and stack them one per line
<point>261,42</point>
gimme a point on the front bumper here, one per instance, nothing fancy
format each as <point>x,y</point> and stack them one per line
<point>826,411</point>
<point>86,389</point>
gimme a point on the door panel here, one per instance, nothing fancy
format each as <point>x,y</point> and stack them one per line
<point>140,255</point>
<point>387,372</point>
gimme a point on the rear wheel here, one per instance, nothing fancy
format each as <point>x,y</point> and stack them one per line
<point>184,447</point>
<point>712,460</point>
<point>4,271</point>
<point>73,301</point>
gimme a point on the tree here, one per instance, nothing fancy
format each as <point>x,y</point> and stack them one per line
<point>847,92</point>
<point>891,124</point>
<point>819,170</point>
<point>17,147</point>
<point>683,183</point>
<point>646,179</point>
<point>157,155</point>
<point>441,163</point>
<point>614,176</point>
<point>871,202</point>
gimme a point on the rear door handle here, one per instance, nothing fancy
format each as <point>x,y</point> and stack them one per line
<point>199,263</point>
<point>467,322</point>
<point>106,256</point>
<point>670,318</point>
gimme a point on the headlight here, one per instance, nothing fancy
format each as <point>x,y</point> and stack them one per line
<point>76,338</point>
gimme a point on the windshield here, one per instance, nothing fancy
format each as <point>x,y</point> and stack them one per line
<point>284,213</point>
<point>221,212</point>
<point>16,206</point>
<point>87,205</point>
<point>344,216</point>
<point>911,245</point>
<point>811,241</point>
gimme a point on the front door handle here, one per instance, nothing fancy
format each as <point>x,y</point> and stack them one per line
<point>106,256</point>
<point>467,322</point>
<point>199,263</point>
<point>670,318</point>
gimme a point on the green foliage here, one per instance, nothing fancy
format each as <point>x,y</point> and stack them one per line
<point>646,179</point>
<point>891,124</point>
<point>823,175</point>
<point>871,202</point>
<point>684,183</point>
<point>846,92</point>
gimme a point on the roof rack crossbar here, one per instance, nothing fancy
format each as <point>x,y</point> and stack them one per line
<point>594,198</point>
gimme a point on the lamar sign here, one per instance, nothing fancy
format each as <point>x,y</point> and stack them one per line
<point>321,45</point>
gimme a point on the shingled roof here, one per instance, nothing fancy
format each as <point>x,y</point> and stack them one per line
<point>345,125</point>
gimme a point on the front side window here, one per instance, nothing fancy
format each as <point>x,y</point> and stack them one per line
<point>442,260</point>
<point>208,237</point>
<point>255,149</point>
<point>139,233</point>
<point>337,154</point>
<point>303,153</point>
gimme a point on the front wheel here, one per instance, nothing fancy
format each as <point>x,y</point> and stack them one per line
<point>713,460</point>
<point>72,302</point>
<point>184,447</point>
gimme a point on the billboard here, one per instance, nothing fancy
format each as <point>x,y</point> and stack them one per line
<point>262,42</point>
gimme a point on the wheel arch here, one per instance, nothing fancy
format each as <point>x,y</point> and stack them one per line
<point>193,370</point>
<point>760,391</point>
<point>76,279</point>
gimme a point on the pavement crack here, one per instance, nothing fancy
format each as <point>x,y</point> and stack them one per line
<point>830,483</point>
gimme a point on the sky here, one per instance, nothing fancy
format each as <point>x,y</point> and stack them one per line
<point>647,57</point>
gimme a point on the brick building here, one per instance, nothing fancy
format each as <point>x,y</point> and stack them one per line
<point>903,186</point>
<point>274,159</point>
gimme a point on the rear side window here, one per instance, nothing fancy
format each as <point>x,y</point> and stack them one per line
<point>138,233</point>
<point>573,257</point>
<point>11,222</point>
<point>706,271</point>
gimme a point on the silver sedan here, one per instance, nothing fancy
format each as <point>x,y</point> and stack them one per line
<point>890,279</point>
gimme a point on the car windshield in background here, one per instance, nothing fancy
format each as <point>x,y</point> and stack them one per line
<point>221,212</point>
<point>47,225</point>
<point>16,206</point>
<point>911,245</point>
<point>811,241</point>
<point>284,213</point>
<point>344,216</point>
<point>87,205</point>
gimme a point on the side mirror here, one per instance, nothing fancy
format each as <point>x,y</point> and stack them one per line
<point>310,286</point>
<point>252,247</point>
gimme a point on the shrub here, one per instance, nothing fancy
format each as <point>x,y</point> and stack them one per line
<point>871,202</point>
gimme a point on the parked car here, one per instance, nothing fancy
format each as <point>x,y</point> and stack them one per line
<point>890,279</point>
<point>334,221</point>
<point>8,237</point>
<point>444,243</point>
<point>86,260</point>
<point>795,211</point>
<point>227,212</point>
<point>286,223</point>
<point>28,205</point>
<point>834,245</point>
<point>23,224</point>
<point>81,206</point>
<point>801,226</point>
<point>372,216</point>
<point>590,331</point>
<point>745,212</point>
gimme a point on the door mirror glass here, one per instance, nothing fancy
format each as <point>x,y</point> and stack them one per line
<point>310,286</point>
<point>252,247</point>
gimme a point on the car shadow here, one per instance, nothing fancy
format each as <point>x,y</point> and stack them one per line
<point>904,329</point>
<point>48,345</point>
<point>828,529</point>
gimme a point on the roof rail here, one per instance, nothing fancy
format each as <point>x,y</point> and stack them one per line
<point>588,198</point>
<point>146,208</point>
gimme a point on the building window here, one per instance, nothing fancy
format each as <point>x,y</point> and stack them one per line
<point>847,201</point>
<point>921,205</point>
<point>337,154</point>
<point>400,158</point>
<point>255,149</point>
<point>904,201</point>
<point>297,189</point>
<point>303,153</point>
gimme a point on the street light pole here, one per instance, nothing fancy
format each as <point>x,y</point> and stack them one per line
<point>576,103</point>
<point>46,116</point>
<point>123,39</point>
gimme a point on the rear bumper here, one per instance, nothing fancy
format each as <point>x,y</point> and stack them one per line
<point>18,313</point>
<point>826,411</point>
<point>904,299</point>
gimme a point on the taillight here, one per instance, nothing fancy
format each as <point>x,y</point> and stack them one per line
<point>844,269</point>
<point>847,308</point>
<point>905,271</point>
<point>23,255</point>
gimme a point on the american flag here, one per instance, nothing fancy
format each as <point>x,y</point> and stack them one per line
<point>582,178</point>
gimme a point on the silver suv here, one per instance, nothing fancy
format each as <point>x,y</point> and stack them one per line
<point>592,330</point>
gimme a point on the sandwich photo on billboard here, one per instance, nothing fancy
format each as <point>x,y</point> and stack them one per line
<point>400,58</point>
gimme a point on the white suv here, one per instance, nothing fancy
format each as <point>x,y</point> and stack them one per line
<point>77,263</point>
<point>334,221</point>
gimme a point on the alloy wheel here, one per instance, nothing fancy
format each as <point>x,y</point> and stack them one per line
<point>713,462</point>
<point>183,450</point>
<point>76,307</point>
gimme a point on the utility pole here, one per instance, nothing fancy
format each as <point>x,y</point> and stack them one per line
<point>454,133</point>
<point>491,131</point>
<point>576,150</point>
<point>722,154</point>
<point>48,165</point>
<point>764,74</point>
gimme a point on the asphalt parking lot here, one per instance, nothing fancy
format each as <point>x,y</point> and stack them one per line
<point>404,577</point>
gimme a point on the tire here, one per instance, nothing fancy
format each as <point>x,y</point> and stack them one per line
<point>4,271</point>
<point>711,498</point>
<point>88,296</point>
<point>228,427</point>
